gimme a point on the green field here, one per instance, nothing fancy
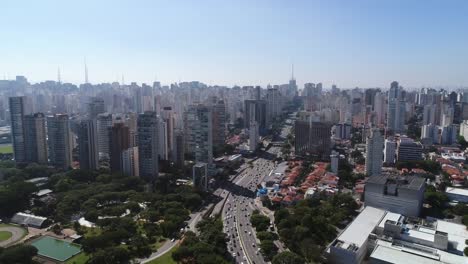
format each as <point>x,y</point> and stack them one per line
<point>78,259</point>
<point>166,258</point>
<point>6,149</point>
<point>4,235</point>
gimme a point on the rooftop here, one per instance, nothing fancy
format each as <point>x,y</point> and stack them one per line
<point>457,191</point>
<point>359,230</point>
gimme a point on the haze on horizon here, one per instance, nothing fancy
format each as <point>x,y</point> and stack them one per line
<point>350,43</point>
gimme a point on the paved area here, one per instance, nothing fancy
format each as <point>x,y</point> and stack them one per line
<point>17,234</point>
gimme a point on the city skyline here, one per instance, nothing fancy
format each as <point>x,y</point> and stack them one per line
<point>363,44</point>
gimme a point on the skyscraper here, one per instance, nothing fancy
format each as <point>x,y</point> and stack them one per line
<point>199,133</point>
<point>95,107</point>
<point>147,139</point>
<point>130,162</point>
<point>88,145</point>
<point>253,136</point>
<point>119,141</point>
<point>374,153</point>
<point>396,109</point>
<point>168,117</point>
<point>179,148</point>
<point>59,141</point>
<point>313,138</point>
<point>17,112</point>
<point>104,124</point>
<point>260,109</point>
<point>35,138</point>
<point>219,123</point>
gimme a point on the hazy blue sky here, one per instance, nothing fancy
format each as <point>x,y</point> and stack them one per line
<point>365,43</point>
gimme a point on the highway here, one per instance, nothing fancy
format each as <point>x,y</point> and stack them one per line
<point>236,213</point>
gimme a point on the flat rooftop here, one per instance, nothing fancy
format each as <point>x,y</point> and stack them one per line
<point>457,191</point>
<point>390,216</point>
<point>358,231</point>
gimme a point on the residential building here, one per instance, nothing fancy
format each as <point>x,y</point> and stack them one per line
<point>104,125</point>
<point>390,151</point>
<point>35,138</point>
<point>88,145</point>
<point>374,153</point>
<point>119,141</point>
<point>17,112</point>
<point>130,162</point>
<point>147,139</point>
<point>199,133</point>
<point>95,107</point>
<point>59,141</point>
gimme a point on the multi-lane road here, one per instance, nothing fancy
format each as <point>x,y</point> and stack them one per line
<point>239,206</point>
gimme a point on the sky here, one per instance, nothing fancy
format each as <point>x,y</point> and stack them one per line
<point>361,43</point>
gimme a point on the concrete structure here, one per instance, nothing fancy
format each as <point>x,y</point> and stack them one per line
<point>335,159</point>
<point>17,112</point>
<point>130,162</point>
<point>200,176</point>
<point>88,145</point>
<point>464,129</point>
<point>259,108</point>
<point>342,131</point>
<point>253,136</point>
<point>95,107</point>
<point>35,138</point>
<point>199,133</point>
<point>403,195</point>
<point>351,245</point>
<point>395,109</point>
<point>313,138</point>
<point>457,194</point>
<point>168,117</point>
<point>59,141</point>
<point>390,151</point>
<point>119,141</point>
<point>394,238</point>
<point>179,148</point>
<point>409,150</point>
<point>374,153</point>
<point>104,125</point>
<point>147,138</point>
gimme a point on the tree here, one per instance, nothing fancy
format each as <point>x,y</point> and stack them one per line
<point>259,221</point>
<point>463,143</point>
<point>268,248</point>
<point>18,254</point>
<point>288,257</point>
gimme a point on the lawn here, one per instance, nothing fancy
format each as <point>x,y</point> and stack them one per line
<point>166,258</point>
<point>4,235</point>
<point>78,259</point>
<point>6,149</point>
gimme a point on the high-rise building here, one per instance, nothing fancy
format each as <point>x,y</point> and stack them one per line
<point>88,145</point>
<point>334,161</point>
<point>162,140</point>
<point>219,123</point>
<point>464,129</point>
<point>374,152</point>
<point>402,195</point>
<point>343,131</point>
<point>396,109</point>
<point>17,112</point>
<point>259,108</point>
<point>200,175</point>
<point>199,133</point>
<point>119,141</point>
<point>179,148</point>
<point>390,151</point>
<point>168,117</point>
<point>430,134</point>
<point>35,138</point>
<point>253,136</point>
<point>130,162</point>
<point>59,141</point>
<point>147,139</point>
<point>95,107</point>
<point>313,138</point>
<point>104,124</point>
<point>409,150</point>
